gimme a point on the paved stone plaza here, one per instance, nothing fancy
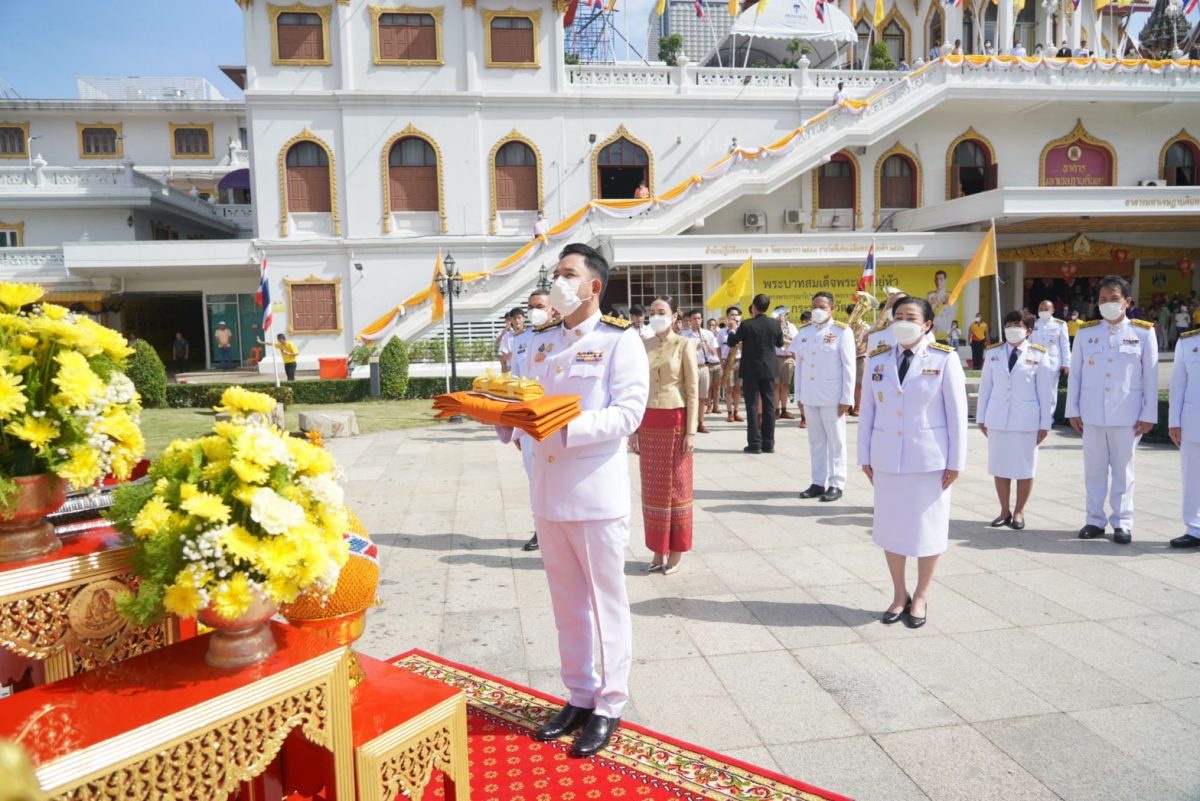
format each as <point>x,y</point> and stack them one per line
<point>1051,667</point>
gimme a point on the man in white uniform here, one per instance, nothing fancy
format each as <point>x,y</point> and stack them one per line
<point>538,313</point>
<point>1185,430</point>
<point>581,495</point>
<point>1051,334</point>
<point>1112,400</point>
<point>825,354</point>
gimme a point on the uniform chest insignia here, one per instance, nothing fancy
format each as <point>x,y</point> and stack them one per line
<point>1033,361</point>
<point>589,356</point>
<point>877,377</point>
<point>830,338</point>
<point>931,371</point>
<point>540,356</point>
<point>1132,341</point>
<point>879,369</point>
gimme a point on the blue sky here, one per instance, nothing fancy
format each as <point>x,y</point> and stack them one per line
<point>45,44</point>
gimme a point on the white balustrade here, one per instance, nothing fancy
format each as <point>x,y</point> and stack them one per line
<point>737,78</point>
<point>604,75</point>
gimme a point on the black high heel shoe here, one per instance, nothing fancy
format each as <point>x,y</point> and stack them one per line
<point>889,617</point>
<point>1000,522</point>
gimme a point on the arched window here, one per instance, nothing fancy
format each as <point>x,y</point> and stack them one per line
<point>893,37</point>
<point>622,167</point>
<point>862,54</point>
<point>412,175</point>
<point>898,188</point>
<point>968,31</point>
<point>516,177</point>
<point>836,183</point>
<point>308,178</point>
<point>936,33</point>
<point>971,169</point>
<point>1180,164</point>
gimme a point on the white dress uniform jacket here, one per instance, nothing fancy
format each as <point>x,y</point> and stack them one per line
<point>1052,335</point>
<point>920,427</point>
<point>520,367</point>
<point>825,370</point>
<point>1020,400</point>
<point>1184,414</point>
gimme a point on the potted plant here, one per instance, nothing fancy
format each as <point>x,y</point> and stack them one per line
<point>68,415</point>
<point>231,525</point>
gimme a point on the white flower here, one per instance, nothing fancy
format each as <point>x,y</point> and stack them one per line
<point>277,515</point>
<point>324,489</point>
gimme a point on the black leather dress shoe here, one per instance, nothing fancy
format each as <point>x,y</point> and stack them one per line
<point>568,719</point>
<point>532,545</point>
<point>813,491</point>
<point>1122,536</point>
<point>748,449</point>
<point>1000,522</point>
<point>831,494</point>
<point>1016,525</point>
<point>889,617</point>
<point>914,622</point>
<point>595,735</point>
<point>768,448</point>
<point>1186,541</point>
<point>1090,532</point>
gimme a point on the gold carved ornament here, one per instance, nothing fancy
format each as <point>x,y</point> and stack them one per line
<point>512,136</point>
<point>385,177</point>
<point>896,150</point>
<point>408,772</point>
<point>816,190</point>
<point>273,13</point>
<point>621,133</point>
<point>1080,247</point>
<point>308,136</point>
<point>970,135</point>
<point>1077,134</point>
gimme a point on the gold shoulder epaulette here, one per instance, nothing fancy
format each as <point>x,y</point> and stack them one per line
<point>994,345</point>
<point>1089,324</point>
<point>615,322</point>
<point>546,326</point>
<point>1191,333</point>
<point>941,347</point>
<point>1142,323</point>
<point>883,348</point>
<point>840,324</point>
<point>1036,346</point>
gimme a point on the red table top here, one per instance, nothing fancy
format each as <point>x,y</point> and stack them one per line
<point>388,697</point>
<point>86,543</point>
<point>79,712</point>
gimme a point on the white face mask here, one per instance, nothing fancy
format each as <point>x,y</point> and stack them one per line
<point>907,332</point>
<point>1113,311</point>
<point>978,319</point>
<point>659,322</point>
<point>1045,315</point>
<point>820,316</point>
<point>1014,335</point>
<point>538,317</point>
<point>564,295</point>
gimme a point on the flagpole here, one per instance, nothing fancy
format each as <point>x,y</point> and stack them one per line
<point>274,357</point>
<point>996,280</point>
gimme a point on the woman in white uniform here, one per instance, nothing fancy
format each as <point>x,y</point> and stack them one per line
<point>1017,395</point>
<point>1184,430</point>
<point>912,443</point>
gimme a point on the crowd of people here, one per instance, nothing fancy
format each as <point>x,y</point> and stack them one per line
<point>647,383</point>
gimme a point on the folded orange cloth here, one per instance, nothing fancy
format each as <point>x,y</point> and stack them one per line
<point>539,418</point>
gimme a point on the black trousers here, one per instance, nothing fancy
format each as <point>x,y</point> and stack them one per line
<point>289,369</point>
<point>977,347</point>
<point>759,394</point>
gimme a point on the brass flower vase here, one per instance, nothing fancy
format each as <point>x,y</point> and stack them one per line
<point>25,533</point>
<point>245,640</point>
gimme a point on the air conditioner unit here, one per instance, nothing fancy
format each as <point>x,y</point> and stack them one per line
<point>1153,182</point>
<point>793,216</point>
<point>754,219</point>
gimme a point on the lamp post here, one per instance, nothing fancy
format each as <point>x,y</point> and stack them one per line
<point>450,284</point>
<point>1173,10</point>
<point>543,282</point>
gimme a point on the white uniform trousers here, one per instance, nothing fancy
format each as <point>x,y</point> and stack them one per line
<point>827,445</point>
<point>1190,453</point>
<point>1108,469</point>
<point>585,566</point>
<point>527,461</point>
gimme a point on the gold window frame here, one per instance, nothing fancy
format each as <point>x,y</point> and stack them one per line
<point>19,227</point>
<point>1183,136</point>
<point>439,53</point>
<point>411,130</point>
<point>24,127</point>
<point>534,17</point>
<point>118,127</point>
<point>323,12</point>
<point>175,154</point>
<point>1078,133</point>
<point>621,133</point>
<point>896,150</point>
<point>312,280</point>
<point>816,190</point>
<point>970,135</point>
<point>513,136</point>
<point>308,136</point>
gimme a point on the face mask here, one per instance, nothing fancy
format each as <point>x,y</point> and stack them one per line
<point>978,318</point>
<point>819,316</point>
<point>1112,311</point>
<point>1014,335</point>
<point>538,317</point>
<point>907,332</point>
<point>564,295</point>
<point>660,323</point>
<point>1045,315</point>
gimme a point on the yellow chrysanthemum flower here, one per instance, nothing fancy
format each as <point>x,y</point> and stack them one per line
<point>27,341</point>
<point>187,490</point>
<point>240,543</point>
<point>310,460</point>
<point>153,517</point>
<point>14,296</point>
<point>110,342</point>
<point>182,598</point>
<point>248,472</point>
<point>233,597</point>
<point>244,493</point>
<point>76,382</point>
<point>207,506</point>
<point>37,431</point>
<point>82,468</point>
<point>240,402</point>
<point>215,449</point>
<point>12,395</point>
<point>54,311</point>
<point>15,362</point>
<point>282,589</point>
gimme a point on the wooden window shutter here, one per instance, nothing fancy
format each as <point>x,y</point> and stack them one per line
<point>300,38</point>
<point>308,189</point>
<point>413,188</point>
<point>314,307</point>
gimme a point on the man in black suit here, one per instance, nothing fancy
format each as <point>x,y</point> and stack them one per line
<point>759,337</point>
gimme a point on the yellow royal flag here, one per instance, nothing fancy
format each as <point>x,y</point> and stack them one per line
<point>983,263</point>
<point>762,6</point>
<point>611,5</point>
<point>662,7</point>
<point>879,15</point>
<point>853,11</point>
<point>438,306</point>
<point>733,8</point>
<point>735,288</point>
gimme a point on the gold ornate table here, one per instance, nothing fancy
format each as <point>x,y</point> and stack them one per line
<point>165,725</point>
<point>58,615</point>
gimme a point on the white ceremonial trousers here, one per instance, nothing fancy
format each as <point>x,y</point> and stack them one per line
<point>1108,469</point>
<point>825,370</point>
<point>1184,414</point>
<point>827,445</point>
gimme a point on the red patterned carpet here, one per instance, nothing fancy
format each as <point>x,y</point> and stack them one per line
<point>507,764</point>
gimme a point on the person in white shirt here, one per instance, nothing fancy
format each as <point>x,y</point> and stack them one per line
<point>637,317</point>
<point>1018,50</point>
<point>787,365</point>
<point>540,225</point>
<point>514,322</point>
<point>706,358</point>
<point>840,94</point>
<point>1183,321</point>
<point>1051,333</point>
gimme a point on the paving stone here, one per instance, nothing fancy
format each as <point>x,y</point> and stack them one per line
<point>856,766</point>
<point>1008,600</point>
<point>1075,594</point>
<point>1151,737</point>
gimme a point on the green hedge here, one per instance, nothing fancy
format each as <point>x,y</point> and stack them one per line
<point>148,375</point>
<point>1158,433</point>
<point>206,396</point>
<point>336,390</point>
<point>393,369</point>
<point>419,388</point>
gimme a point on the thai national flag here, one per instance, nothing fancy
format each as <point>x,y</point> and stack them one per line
<point>868,273</point>
<point>820,9</point>
<point>1074,5</point>
<point>597,5</point>
<point>699,8</point>
<point>1190,7</point>
<point>263,298</point>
